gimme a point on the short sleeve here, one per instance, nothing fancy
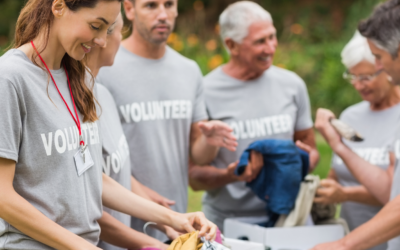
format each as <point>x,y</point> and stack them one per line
<point>199,106</point>
<point>303,120</point>
<point>10,121</point>
<point>335,161</point>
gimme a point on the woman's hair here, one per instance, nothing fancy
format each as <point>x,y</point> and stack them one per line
<point>238,17</point>
<point>37,16</point>
<point>356,51</point>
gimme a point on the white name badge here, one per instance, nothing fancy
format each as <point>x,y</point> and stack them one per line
<point>81,164</point>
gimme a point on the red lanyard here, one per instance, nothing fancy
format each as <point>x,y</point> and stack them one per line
<point>78,123</point>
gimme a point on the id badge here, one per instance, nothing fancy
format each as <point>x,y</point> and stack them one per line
<point>81,164</point>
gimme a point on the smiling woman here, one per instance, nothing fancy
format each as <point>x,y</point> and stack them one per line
<point>50,163</point>
<point>69,29</point>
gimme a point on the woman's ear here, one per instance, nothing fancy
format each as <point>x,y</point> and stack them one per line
<point>129,8</point>
<point>58,8</point>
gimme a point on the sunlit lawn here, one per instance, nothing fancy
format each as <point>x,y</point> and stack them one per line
<point>321,170</point>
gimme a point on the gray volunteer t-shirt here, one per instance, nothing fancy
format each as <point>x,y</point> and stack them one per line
<point>41,136</point>
<point>275,105</point>
<point>378,129</point>
<point>157,100</point>
<point>116,162</point>
<point>394,244</point>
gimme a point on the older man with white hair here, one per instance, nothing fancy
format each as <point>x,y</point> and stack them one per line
<point>259,101</point>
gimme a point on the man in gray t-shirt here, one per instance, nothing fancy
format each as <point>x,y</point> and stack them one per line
<point>159,96</point>
<point>259,101</point>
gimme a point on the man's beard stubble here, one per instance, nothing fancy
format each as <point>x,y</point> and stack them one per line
<point>147,34</point>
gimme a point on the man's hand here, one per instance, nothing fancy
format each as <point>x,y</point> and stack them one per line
<point>322,123</point>
<point>330,192</point>
<point>230,170</point>
<point>254,166</point>
<point>252,170</point>
<point>218,134</point>
<point>312,152</point>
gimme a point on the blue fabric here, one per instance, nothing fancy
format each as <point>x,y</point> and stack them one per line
<point>285,166</point>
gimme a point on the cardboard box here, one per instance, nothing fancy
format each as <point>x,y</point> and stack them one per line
<point>295,238</point>
<point>243,245</point>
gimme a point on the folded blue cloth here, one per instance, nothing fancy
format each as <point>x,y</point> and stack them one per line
<point>285,166</point>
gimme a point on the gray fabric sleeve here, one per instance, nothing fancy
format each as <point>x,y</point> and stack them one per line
<point>10,121</point>
<point>333,160</point>
<point>199,107</point>
<point>304,120</point>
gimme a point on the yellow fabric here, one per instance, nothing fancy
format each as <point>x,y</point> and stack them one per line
<point>187,242</point>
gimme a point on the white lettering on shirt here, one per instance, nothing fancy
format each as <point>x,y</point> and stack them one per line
<point>261,127</point>
<point>67,139</point>
<point>47,143</point>
<point>116,160</point>
<point>156,110</point>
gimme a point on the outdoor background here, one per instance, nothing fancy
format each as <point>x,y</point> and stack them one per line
<point>311,35</point>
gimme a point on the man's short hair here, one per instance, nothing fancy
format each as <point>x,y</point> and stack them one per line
<point>356,51</point>
<point>236,19</point>
<point>383,27</point>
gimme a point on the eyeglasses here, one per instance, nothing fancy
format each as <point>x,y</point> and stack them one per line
<point>362,78</point>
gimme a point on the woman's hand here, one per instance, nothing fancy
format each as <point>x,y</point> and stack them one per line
<point>171,233</point>
<point>159,199</point>
<point>330,192</point>
<point>323,125</point>
<point>190,222</point>
<point>336,245</point>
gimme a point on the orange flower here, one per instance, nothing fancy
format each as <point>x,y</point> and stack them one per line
<point>192,40</point>
<point>178,45</point>
<point>172,38</point>
<point>211,45</point>
<point>296,29</point>
<point>215,61</point>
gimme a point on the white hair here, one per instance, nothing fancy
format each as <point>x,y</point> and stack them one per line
<point>356,51</point>
<point>236,19</point>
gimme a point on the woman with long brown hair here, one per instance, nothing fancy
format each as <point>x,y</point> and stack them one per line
<point>51,183</point>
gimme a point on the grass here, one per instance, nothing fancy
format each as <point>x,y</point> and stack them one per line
<point>321,170</point>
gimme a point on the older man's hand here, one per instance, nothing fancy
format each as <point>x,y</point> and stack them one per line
<point>253,168</point>
<point>218,134</point>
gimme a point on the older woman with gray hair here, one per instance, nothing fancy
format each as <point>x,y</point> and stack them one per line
<point>259,101</point>
<point>377,118</point>
<point>382,30</point>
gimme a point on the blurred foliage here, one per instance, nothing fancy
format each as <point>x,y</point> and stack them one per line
<point>311,34</point>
